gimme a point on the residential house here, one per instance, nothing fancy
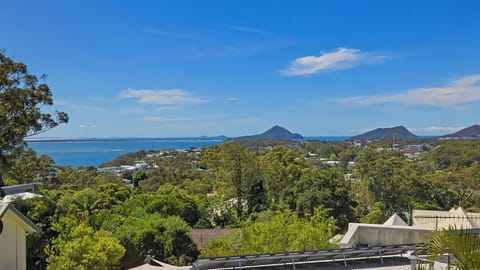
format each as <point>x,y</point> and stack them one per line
<point>14,227</point>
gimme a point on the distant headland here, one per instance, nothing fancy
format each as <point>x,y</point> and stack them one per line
<point>399,133</point>
<point>274,133</point>
<point>403,134</point>
<point>281,133</point>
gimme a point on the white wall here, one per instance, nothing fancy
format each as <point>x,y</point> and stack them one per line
<point>12,244</point>
<point>379,235</point>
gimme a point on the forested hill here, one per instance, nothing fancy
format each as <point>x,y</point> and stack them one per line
<point>275,133</point>
<point>400,133</point>
<point>469,132</point>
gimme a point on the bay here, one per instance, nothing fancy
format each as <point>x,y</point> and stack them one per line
<point>93,152</point>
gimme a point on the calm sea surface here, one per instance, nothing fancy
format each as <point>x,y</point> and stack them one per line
<point>94,152</point>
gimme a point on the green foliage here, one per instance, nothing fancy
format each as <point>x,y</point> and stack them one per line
<point>462,244</point>
<point>236,170</point>
<point>455,187</point>
<point>86,249</point>
<point>394,182</point>
<point>280,168</point>
<point>323,188</point>
<point>128,158</point>
<point>145,234</point>
<point>27,168</point>
<point>257,198</point>
<point>172,201</point>
<point>197,186</point>
<point>455,153</point>
<point>138,176</point>
<point>221,212</point>
<point>376,214</point>
<point>275,232</point>
<point>40,211</point>
<point>261,191</point>
<point>21,100</point>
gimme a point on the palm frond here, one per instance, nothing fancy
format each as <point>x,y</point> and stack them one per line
<point>462,244</point>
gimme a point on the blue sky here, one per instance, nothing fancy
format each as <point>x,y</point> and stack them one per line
<point>192,68</point>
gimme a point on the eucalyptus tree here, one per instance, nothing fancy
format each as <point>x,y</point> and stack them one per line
<point>22,112</point>
<point>237,175</point>
<point>281,168</point>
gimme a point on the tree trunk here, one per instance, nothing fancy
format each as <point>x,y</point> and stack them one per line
<point>2,193</point>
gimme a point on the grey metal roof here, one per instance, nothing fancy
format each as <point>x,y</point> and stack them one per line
<point>344,255</point>
<point>29,225</point>
<point>13,189</point>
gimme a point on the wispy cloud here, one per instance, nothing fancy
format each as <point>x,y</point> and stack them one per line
<point>232,99</point>
<point>162,96</point>
<point>458,92</point>
<point>220,41</point>
<point>245,29</point>
<point>88,108</point>
<point>167,108</point>
<point>436,129</point>
<point>134,110</point>
<point>87,126</point>
<point>182,119</point>
<point>164,33</point>
<point>247,120</point>
<point>165,119</point>
<point>342,58</point>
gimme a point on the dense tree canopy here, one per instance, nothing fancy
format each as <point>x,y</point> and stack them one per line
<point>86,249</point>
<point>256,190</point>
<point>276,232</point>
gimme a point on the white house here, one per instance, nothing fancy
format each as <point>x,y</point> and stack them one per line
<point>14,227</point>
<point>396,232</point>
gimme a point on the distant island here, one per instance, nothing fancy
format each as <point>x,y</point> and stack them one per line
<point>472,132</point>
<point>397,133</point>
<point>280,133</point>
<point>275,133</point>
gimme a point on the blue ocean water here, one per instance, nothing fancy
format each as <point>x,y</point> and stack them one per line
<point>96,151</point>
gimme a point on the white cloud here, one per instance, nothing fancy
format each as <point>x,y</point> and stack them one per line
<point>342,58</point>
<point>182,119</point>
<point>437,129</point>
<point>167,108</point>
<point>232,99</point>
<point>162,96</point>
<point>458,92</point>
<point>245,29</point>
<point>87,126</point>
